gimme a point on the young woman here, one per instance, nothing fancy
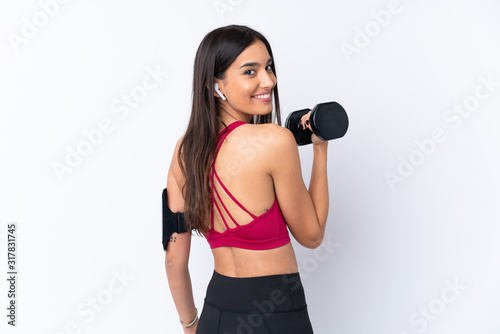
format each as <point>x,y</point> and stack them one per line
<point>235,177</point>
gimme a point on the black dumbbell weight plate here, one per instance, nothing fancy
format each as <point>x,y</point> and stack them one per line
<point>329,120</point>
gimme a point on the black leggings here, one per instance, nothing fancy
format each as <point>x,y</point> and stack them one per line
<point>272,304</point>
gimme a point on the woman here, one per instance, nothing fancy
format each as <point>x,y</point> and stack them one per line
<point>235,177</point>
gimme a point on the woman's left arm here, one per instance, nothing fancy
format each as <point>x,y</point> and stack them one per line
<point>177,251</point>
<point>179,280</point>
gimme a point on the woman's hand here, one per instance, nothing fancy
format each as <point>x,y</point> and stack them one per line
<point>304,120</point>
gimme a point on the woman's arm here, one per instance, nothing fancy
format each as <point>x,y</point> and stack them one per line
<point>318,185</point>
<point>177,251</point>
<point>179,280</point>
<point>305,210</point>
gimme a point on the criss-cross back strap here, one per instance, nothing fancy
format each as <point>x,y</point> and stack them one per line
<point>214,172</point>
<point>230,195</point>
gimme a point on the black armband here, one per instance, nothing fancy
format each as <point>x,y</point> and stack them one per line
<point>172,221</point>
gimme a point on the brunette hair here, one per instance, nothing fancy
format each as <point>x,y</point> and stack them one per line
<point>217,51</point>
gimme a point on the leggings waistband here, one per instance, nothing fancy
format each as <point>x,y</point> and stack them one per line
<point>282,293</point>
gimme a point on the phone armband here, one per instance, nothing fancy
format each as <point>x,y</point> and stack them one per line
<point>172,221</point>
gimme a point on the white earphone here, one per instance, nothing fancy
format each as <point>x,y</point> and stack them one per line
<point>216,87</point>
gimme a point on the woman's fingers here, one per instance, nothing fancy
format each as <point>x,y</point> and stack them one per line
<point>304,120</point>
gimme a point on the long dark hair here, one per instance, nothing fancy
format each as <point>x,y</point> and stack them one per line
<point>216,53</point>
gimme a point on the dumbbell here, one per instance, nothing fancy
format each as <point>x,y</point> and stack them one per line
<point>328,121</point>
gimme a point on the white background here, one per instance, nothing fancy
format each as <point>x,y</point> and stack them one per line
<point>394,250</point>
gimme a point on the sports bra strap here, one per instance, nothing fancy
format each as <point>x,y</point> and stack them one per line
<point>225,208</point>
<point>222,136</point>
<point>230,195</point>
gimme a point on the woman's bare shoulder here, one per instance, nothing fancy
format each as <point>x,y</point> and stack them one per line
<point>274,136</point>
<point>270,131</point>
<point>267,141</point>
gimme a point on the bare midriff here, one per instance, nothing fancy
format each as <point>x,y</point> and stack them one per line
<point>239,262</point>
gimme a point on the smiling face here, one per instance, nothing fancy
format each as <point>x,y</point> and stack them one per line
<point>248,84</point>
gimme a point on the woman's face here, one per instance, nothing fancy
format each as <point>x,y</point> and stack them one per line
<point>248,83</point>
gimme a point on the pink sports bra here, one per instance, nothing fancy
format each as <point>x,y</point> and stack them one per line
<point>264,232</point>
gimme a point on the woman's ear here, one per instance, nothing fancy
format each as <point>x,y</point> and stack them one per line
<point>218,92</point>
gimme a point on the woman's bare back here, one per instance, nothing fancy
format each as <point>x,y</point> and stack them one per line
<point>243,167</point>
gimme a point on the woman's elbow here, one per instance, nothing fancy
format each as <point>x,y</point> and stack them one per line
<point>175,261</point>
<point>310,243</point>
<point>315,242</point>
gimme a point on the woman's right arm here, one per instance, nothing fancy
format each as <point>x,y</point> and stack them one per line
<point>305,211</point>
